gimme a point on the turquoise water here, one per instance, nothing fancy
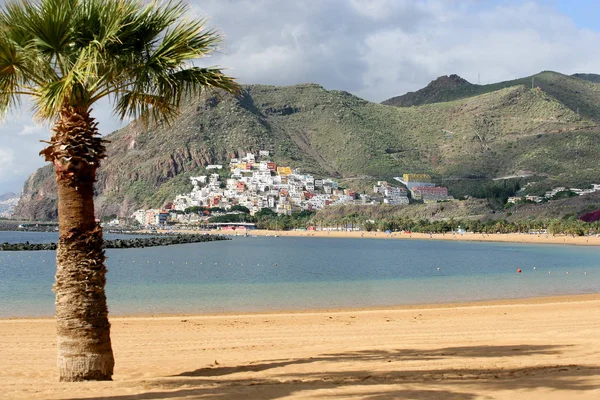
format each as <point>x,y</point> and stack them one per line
<point>267,273</point>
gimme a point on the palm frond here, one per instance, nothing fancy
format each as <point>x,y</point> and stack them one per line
<point>19,73</point>
<point>9,77</point>
<point>163,103</point>
<point>165,66</point>
<point>197,79</point>
<point>74,52</point>
<point>146,107</point>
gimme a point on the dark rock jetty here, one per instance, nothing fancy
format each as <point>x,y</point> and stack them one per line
<point>158,240</point>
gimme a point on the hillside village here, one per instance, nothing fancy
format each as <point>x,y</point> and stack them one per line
<point>469,138</point>
<point>256,182</point>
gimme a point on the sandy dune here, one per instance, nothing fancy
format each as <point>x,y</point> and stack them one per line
<point>522,349</point>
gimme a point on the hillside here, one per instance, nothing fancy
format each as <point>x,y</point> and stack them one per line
<point>333,133</point>
<point>445,88</point>
<point>578,92</point>
<point>8,202</point>
<point>563,208</point>
<point>588,77</point>
<point>8,196</point>
<point>468,209</point>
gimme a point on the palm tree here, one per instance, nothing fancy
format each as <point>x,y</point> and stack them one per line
<point>65,55</point>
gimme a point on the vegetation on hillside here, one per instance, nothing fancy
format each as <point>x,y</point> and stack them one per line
<point>588,77</point>
<point>578,92</point>
<point>336,134</point>
<point>591,216</point>
<point>509,130</point>
<point>264,219</point>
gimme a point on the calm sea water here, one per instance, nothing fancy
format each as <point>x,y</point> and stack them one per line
<point>268,273</point>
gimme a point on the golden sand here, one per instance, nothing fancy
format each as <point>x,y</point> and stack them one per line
<point>520,349</point>
<point>471,237</point>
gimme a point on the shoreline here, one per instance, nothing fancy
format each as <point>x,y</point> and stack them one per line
<point>521,301</point>
<point>466,237</point>
<point>523,238</point>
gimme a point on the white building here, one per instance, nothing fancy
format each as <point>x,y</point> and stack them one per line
<point>390,191</point>
<point>395,200</point>
<point>331,183</point>
<point>231,183</point>
<point>139,216</point>
<point>198,180</point>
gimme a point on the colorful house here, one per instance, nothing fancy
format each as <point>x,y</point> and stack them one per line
<point>285,171</point>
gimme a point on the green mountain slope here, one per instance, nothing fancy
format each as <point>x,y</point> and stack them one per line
<point>333,133</point>
<point>577,93</point>
<point>445,88</point>
<point>588,77</point>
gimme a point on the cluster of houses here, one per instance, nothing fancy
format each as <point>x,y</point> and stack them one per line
<point>256,182</point>
<point>422,188</point>
<point>148,217</point>
<point>391,194</point>
<point>551,193</point>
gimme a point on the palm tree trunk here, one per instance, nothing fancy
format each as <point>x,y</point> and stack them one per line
<point>83,330</point>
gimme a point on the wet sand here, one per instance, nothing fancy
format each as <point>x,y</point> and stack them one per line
<point>544,348</point>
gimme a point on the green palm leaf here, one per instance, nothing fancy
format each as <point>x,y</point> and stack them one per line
<point>75,52</point>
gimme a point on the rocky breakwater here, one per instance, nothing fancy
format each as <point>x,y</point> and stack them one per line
<point>153,241</point>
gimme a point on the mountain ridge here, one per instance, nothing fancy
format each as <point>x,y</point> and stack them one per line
<point>442,89</point>
<point>8,196</point>
<point>579,92</point>
<point>588,77</point>
<point>334,133</point>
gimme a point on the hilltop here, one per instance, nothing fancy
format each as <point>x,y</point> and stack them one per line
<point>8,196</point>
<point>445,88</point>
<point>579,92</point>
<point>588,77</point>
<point>512,130</point>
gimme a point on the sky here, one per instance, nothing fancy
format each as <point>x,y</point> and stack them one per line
<point>375,49</point>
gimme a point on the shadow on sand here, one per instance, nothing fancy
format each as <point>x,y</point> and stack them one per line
<point>219,382</point>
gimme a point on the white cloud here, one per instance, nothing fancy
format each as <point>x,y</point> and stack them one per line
<point>7,159</point>
<point>383,48</point>
<point>19,148</point>
<point>35,129</point>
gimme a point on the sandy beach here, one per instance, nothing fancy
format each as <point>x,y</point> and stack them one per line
<point>471,237</point>
<point>543,348</point>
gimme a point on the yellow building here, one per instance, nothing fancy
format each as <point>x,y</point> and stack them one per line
<point>241,166</point>
<point>416,178</point>
<point>284,171</point>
